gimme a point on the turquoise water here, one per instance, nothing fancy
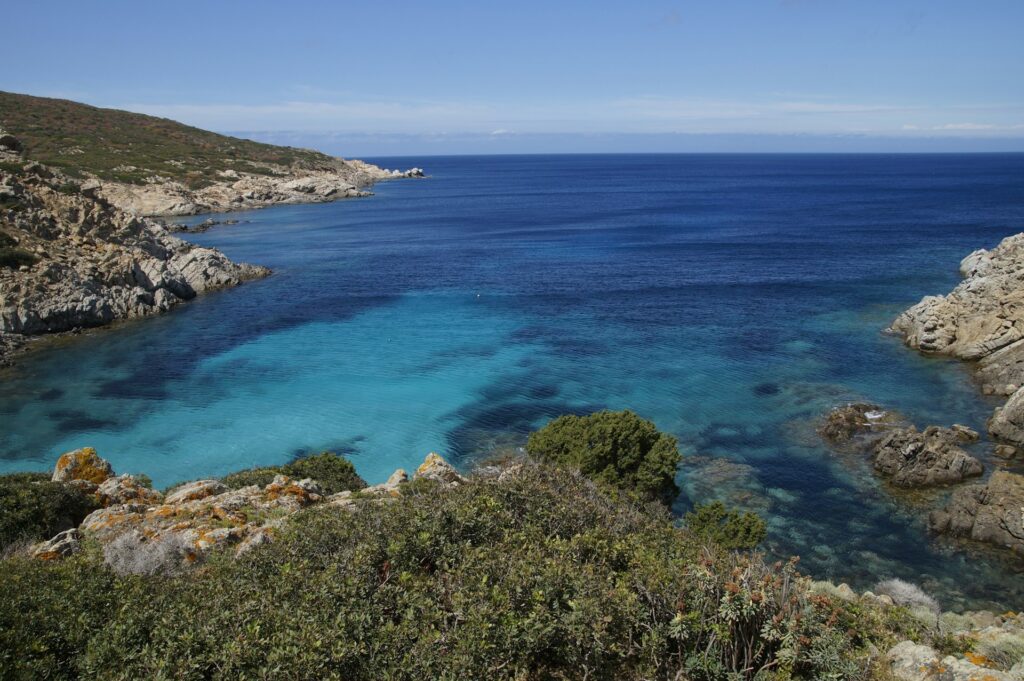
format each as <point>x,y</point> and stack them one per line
<point>731,299</point>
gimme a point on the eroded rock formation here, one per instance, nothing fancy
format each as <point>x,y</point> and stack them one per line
<point>73,260</point>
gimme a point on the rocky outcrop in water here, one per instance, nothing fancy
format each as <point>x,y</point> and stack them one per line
<point>992,513</point>
<point>907,457</point>
<point>858,422</point>
<point>914,459</point>
<point>982,319</point>
<point>69,259</point>
<point>232,190</point>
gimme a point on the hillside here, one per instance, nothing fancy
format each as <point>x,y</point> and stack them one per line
<point>154,166</point>
<point>129,147</point>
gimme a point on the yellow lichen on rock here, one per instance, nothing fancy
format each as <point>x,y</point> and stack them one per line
<point>82,464</point>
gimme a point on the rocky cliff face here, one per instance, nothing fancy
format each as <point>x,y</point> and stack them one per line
<point>982,319</point>
<point>70,259</point>
<point>242,191</point>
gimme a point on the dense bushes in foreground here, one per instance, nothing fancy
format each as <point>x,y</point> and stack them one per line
<point>536,575</point>
<point>334,473</point>
<point>615,447</point>
<point>33,508</point>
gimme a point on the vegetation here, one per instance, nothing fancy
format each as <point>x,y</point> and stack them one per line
<point>727,528</point>
<point>541,575</point>
<point>10,255</point>
<point>618,448</point>
<point>130,147</point>
<point>32,508</point>
<point>334,473</point>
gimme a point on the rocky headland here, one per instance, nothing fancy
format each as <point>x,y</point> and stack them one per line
<point>980,321</point>
<point>232,190</point>
<point>69,259</point>
<point>79,187</point>
<point>157,167</point>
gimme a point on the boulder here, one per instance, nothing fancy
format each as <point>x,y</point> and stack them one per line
<point>388,488</point>
<point>436,468</point>
<point>858,424</point>
<point>992,513</point>
<point>923,459</point>
<point>63,545</point>
<point>199,489</point>
<point>82,464</point>
<point>126,489</point>
<point>909,661</point>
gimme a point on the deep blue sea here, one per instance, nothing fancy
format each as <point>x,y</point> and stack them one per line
<point>730,298</point>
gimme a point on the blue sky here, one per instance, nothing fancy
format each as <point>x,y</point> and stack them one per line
<point>461,77</point>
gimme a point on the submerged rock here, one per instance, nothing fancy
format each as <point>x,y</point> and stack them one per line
<point>992,513</point>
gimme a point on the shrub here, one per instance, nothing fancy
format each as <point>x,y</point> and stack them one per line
<point>728,528</point>
<point>906,594</point>
<point>1002,650</point>
<point>334,473</point>
<point>134,554</point>
<point>539,575</point>
<point>618,448</point>
<point>32,508</point>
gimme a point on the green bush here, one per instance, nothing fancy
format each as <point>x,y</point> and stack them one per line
<point>728,528</point>
<point>333,472</point>
<point>32,508</point>
<point>539,575</point>
<point>614,447</point>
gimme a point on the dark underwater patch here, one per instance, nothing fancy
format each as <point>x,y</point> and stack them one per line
<point>766,389</point>
<point>486,426</point>
<point>72,420</point>
<point>51,394</point>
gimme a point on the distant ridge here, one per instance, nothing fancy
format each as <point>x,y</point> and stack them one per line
<point>129,147</point>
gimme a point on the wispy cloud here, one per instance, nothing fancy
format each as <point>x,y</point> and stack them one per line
<point>648,114</point>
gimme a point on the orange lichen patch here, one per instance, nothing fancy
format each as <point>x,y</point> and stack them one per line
<point>979,660</point>
<point>82,464</point>
<point>164,511</point>
<point>48,555</point>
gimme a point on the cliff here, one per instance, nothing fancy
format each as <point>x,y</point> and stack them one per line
<point>70,259</point>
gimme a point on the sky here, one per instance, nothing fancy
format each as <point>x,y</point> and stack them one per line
<point>408,78</point>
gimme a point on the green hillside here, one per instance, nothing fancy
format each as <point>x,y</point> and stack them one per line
<point>129,147</point>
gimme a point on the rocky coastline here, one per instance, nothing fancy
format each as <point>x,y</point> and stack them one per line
<point>233,191</point>
<point>980,321</point>
<point>73,260</point>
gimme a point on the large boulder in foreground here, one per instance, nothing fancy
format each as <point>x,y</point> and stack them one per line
<point>915,459</point>
<point>992,513</point>
<point>83,465</point>
<point>909,661</point>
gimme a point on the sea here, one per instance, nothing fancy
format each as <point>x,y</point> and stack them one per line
<point>731,299</point>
